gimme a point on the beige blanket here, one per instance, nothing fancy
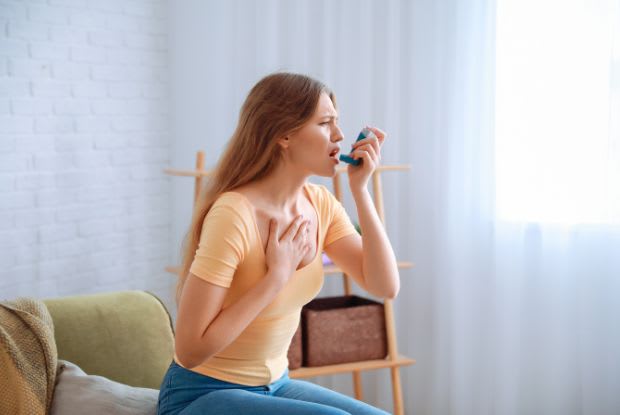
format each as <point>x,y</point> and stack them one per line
<point>28,357</point>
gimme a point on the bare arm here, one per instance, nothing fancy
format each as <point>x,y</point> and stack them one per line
<point>369,260</point>
<point>204,328</point>
<point>379,266</point>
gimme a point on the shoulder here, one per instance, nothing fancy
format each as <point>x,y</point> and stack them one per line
<point>231,205</point>
<point>324,197</point>
<point>229,198</point>
<point>320,192</point>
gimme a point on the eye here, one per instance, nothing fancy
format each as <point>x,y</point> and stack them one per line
<point>324,122</point>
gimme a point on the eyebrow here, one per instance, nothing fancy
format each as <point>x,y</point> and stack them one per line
<point>330,116</point>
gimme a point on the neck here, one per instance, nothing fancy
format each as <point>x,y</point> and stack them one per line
<point>282,189</point>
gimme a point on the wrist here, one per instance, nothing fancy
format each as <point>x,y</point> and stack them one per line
<point>358,192</point>
<point>275,278</point>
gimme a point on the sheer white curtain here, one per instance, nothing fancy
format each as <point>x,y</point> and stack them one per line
<point>522,311</point>
<point>504,315</point>
<point>557,223</point>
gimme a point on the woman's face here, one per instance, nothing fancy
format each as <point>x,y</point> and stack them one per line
<point>312,147</point>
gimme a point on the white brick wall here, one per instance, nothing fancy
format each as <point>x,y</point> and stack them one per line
<point>84,205</point>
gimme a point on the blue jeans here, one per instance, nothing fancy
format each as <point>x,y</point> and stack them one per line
<point>184,392</point>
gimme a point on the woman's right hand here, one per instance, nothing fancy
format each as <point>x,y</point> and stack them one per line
<point>284,253</point>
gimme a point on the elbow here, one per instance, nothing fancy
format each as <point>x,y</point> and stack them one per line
<point>185,356</point>
<point>391,295</point>
<point>185,363</point>
<point>185,360</point>
<point>396,287</point>
<point>189,362</point>
<point>387,295</point>
<point>192,356</point>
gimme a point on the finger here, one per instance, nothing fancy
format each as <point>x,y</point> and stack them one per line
<point>367,140</point>
<point>368,150</point>
<point>381,135</point>
<point>273,230</point>
<point>305,248</point>
<point>356,154</point>
<point>292,229</point>
<point>377,146</point>
<point>359,152</point>
<point>374,151</point>
<point>363,154</point>
<point>302,231</point>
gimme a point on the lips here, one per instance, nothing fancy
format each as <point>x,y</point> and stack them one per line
<point>334,152</point>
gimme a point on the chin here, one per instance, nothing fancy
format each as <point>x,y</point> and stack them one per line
<point>331,172</point>
<point>326,172</point>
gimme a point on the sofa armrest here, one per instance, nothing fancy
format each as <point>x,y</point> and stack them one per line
<point>125,336</point>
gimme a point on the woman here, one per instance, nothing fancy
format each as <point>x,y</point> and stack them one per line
<point>252,257</point>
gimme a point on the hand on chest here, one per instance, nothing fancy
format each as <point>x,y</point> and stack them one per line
<point>284,222</point>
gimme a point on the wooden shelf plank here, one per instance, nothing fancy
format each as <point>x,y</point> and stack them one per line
<point>327,269</point>
<point>172,270</point>
<point>340,169</point>
<point>307,372</point>
<point>192,173</point>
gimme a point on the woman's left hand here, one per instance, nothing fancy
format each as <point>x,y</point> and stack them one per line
<point>369,150</point>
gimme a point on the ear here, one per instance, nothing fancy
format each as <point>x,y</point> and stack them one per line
<point>284,142</point>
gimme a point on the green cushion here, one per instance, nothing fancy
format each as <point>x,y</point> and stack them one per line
<point>125,336</point>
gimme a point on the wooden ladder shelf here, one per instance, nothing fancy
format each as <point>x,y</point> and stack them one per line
<point>393,361</point>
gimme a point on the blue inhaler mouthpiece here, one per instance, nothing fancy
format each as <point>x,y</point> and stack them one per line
<point>348,159</point>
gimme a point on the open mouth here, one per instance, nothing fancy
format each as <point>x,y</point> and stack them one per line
<point>334,153</point>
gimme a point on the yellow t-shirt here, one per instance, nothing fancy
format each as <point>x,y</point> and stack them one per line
<point>230,254</point>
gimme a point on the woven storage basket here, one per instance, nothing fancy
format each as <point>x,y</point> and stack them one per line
<point>343,329</point>
<point>295,350</point>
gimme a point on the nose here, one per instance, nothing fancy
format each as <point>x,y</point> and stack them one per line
<point>338,136</point>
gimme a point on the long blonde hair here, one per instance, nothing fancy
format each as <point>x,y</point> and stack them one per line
<point>278,105</point>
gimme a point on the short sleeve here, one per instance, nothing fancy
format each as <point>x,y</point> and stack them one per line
<point>221,247</point>
<point>340,224</point>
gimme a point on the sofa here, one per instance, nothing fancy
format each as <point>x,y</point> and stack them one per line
<point>113,350</point>
<point>125,336</point>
